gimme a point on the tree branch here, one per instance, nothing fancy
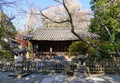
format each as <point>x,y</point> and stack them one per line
<point>45,16</point>
<point>114,43</point>
<point>58,1</point>
<point>53,20</point>
<point>8,4</point>
<point>81,39</point>
<point>93,45</point>
<point>4,3</point>
<point>29,13</point>
<point>70,17</point>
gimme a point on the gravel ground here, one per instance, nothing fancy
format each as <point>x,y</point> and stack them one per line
<point>32,78</point>
<point>38,78</point>
<point>94,79</point>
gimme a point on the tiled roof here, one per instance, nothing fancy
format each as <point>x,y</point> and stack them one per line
<point>59,34</point>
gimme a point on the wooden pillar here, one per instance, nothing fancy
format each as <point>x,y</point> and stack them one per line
<point>51,49</point>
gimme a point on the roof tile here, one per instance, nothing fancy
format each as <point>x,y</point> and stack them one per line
<point>59,34</point>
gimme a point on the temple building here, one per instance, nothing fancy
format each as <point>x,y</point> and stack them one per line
<point>55,40</point>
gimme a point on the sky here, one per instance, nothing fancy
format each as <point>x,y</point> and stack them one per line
<point>19,20</point>
<point>43,3</point>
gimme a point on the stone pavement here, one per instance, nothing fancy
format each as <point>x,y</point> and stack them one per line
<point>32,78</point>
<point>58,78</point>
<point>94,79</point>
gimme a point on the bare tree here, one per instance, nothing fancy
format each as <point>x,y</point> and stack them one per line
<point>71,22</point>
<point>59,13</point>
<point>31,19</point>
<point>7,3</point>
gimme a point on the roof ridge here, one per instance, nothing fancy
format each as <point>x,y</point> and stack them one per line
<point>59,29</point>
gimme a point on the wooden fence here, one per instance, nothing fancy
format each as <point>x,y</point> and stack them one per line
<point>105,66</point>
<point>35,66</point>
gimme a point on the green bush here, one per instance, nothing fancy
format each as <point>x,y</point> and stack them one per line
<point>77,48</point>
<point>109,47</point>
<point>5,54</point>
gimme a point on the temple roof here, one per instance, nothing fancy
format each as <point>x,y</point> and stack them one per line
<point>59,34</point>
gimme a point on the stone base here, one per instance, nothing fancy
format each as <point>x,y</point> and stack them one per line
<point>81,75</point>
<point>20,75</point>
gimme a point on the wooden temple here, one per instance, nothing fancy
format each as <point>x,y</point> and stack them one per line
<point>55,40</point>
